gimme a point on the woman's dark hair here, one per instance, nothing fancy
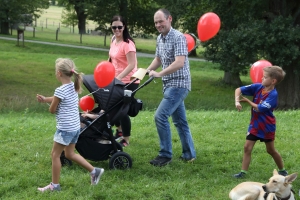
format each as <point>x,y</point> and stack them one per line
<point>126,35</point>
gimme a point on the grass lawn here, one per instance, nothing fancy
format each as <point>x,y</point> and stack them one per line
<point>36,61</point>
<point>26,142</point>
<point>26,135</point>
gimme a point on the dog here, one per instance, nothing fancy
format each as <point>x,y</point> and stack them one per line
<point>278,188</point>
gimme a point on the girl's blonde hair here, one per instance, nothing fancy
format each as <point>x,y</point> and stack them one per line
<point>67,67</point>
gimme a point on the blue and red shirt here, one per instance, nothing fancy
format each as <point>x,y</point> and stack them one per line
<point>263,122</point>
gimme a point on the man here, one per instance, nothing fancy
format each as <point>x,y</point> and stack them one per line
<point>171,54</point>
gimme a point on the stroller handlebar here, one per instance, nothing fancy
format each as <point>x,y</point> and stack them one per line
<point>144,84</point>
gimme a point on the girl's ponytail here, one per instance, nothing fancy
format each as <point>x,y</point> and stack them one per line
<point>68,68</point>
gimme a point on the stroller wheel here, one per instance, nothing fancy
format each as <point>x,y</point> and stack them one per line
<point>120,160</point>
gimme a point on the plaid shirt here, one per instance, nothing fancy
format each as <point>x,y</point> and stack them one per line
<point>167,48</point>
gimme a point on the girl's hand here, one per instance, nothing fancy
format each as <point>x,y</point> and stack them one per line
<point>40,98</point>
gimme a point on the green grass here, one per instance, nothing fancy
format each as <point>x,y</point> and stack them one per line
<point>51,19</point>
<point>29,70</point>
<point>26,142</point>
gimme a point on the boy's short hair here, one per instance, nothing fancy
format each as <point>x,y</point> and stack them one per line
<point>275,72</point>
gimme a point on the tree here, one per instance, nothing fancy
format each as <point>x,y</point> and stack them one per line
<point>253,30</point>
<point>12,11</point>
<point>69,17</point>
<point>81,7</point>
<point>283,48</point>
<point>138,15</point>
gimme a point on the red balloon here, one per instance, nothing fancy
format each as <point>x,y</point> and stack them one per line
<point>208,26</point>
<point>256,70</point>
<point>104,73</point>
<point>190,42</point>
<point>86,103</point>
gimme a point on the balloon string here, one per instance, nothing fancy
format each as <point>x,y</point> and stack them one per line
<point>93,92</point>
<point>198,42</point>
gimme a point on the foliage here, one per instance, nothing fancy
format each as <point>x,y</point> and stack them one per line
<point>136,12</point>
<point>69,17</point>
<point>236,49</point>
<point>81,7</point>
<point>11,11</point>
<point>253,30</point>
<point>241,44</point>
<point>250,31</point>
<point>175,8</point>
<point>282,43</point>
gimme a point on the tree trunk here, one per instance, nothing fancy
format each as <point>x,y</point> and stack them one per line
<point>105,39</point>
<point>81,24</point>
<point>232,79</point>
<point>123,7</point>
<point>288,89</point>
<point>81,16</point>
<point>4,28</point>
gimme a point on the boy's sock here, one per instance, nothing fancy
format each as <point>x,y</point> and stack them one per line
<point>244,171</point>
<point>282,169</point>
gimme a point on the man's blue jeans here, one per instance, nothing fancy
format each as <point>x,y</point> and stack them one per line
<point>173,105</point>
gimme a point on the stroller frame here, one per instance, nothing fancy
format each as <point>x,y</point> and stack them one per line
<point>100,129</point>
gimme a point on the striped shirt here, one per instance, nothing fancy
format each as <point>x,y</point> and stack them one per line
<point>67,113</point>
<point>167,48</point>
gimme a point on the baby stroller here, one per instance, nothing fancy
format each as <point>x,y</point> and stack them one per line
<point>96,141</point>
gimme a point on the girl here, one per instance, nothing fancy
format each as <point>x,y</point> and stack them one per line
<point>122,55</point>
<point>64,104</point>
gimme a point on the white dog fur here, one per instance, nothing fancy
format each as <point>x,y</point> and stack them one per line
<point>277,188</point>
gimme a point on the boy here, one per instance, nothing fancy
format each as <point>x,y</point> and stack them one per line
<point>262,124</point>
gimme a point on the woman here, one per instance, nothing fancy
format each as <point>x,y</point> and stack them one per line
<point>122,55</point>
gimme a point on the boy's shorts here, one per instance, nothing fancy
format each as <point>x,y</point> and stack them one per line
<point>255,138</point>
<point>66,137</point>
